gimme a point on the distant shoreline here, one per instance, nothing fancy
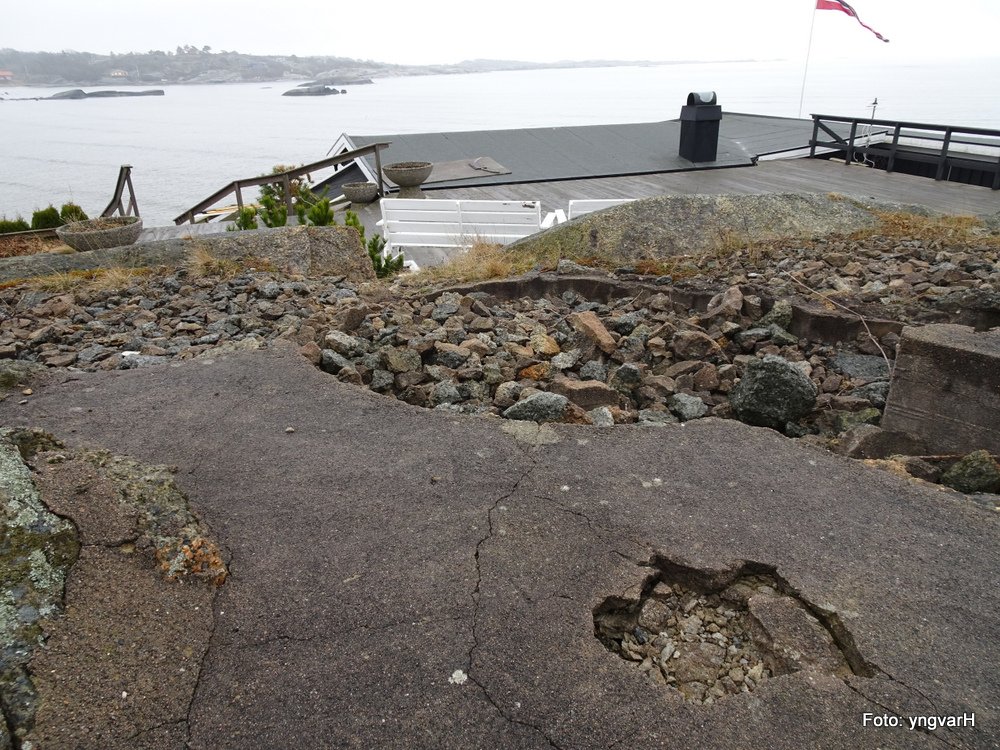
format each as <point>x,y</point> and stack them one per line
<point>356,70</point>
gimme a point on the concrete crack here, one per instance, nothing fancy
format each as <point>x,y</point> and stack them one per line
<point>602,531</point>
<point>894,712</point>
<point>319,638</point>
<point>510,719</point>
<point>204,657</point>
<point>476,592</point>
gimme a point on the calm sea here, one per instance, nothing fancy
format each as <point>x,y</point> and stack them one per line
<point>196,139</point>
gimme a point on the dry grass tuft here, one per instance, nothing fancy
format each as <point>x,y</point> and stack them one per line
<point>96,279</point>
<point>201,263</point>
<point>484,260</point>
<point>947,229</point>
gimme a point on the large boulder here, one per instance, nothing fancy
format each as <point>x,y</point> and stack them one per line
<point>772,393</point>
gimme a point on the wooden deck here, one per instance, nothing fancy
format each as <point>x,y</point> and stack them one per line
<point>780,176</point>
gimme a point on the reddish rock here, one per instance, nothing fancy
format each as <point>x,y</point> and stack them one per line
<point>589,325</point>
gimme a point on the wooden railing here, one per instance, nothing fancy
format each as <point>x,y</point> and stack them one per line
<point>944,158</point>
<point>117,205</point>
<point>285,180</point>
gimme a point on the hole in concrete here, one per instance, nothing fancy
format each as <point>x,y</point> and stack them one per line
<point>709,635</point>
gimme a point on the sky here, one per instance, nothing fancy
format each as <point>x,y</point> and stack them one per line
<point>446,31</point>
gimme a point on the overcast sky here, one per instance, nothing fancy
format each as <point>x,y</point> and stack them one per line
<point>442,31</point>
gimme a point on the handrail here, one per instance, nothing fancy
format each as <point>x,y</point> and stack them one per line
<point>124,180</point>
<point>943,160</point>
<point>285,178</point>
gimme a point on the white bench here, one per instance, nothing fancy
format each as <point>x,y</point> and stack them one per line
<point>429,222</point>
<point>581,207</point>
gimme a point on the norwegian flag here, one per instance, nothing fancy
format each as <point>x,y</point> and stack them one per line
<point>845,8</point>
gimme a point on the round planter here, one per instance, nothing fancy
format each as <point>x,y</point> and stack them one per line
<point>96,234</point>
<point>360,192</point>
<point>409,175</point>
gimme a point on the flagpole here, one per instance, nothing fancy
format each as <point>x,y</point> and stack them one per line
<point>805,73</point>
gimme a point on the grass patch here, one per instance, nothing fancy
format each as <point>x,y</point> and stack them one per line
<point>948,229</point>
<point>483,261</point>
<point>95,279</point>
<point>202,263</point>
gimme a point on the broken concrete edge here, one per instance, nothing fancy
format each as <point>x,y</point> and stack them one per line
<point>39,548</point>
<point>810,319</point>
<point>308,251</point>
<point>768,629</point>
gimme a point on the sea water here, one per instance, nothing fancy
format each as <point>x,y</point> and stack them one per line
<point>196,139</point>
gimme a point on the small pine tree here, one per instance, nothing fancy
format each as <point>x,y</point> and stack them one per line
<point>375,246</point>
<point>247,219</point>
<point>320,214</point>
<point>273,213</point>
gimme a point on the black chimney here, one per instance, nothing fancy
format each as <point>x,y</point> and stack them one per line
<point>700,127</point>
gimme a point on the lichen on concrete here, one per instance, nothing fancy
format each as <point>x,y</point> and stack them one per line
<point>165,523</point>
<point>37,549</point>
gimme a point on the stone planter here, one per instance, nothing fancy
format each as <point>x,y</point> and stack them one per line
<point>409,175</point>
<point>96,234</point>
<point>360,192</point>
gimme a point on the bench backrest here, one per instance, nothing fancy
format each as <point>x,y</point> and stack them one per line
<point>430,222</point>
<point>581,207</point>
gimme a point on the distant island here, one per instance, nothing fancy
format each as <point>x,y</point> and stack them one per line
<point>193,65</point>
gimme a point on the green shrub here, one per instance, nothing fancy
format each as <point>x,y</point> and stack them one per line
<point>13,225</point>
<point>72,212</point>
<point>375,246</point>
<point>272,212</point>
<point>320,214</point>
<point>246,219</point>
<point>383,266</point>
<point>46,218</point>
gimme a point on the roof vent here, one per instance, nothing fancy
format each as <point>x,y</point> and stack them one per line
<point>700,119</point>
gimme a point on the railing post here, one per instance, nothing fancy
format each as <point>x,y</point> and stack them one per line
<point>815,137</point>
<point>287,184</point>
<point>239,197</point>
<point>892,150</point>
<point>378,170</point>
<point>943,159</point>
<point>850,142</point>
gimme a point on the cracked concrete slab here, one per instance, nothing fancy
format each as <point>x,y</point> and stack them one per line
<point>379,548</point>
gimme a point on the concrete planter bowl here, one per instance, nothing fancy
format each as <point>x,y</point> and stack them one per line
<point>360,192</point>
<point>409,175</point>
<point>97,234</point>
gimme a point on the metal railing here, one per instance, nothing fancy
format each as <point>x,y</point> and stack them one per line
<point>945,157</point>
<point>285,180</point>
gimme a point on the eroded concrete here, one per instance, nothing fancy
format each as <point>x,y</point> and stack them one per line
<point>380,549</point>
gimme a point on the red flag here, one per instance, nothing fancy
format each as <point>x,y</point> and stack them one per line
<point>845,8</point>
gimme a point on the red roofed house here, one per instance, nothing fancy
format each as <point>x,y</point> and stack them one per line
<point>6,75</point>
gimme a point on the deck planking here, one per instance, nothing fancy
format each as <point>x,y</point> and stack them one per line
<point>778,176</point>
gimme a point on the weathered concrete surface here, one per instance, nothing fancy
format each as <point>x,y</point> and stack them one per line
<point>309,251</point>
<point>946,388</point>
<point>677,224</point>
<point>379,548</point>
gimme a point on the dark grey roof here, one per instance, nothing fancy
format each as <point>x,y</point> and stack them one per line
<point>563,153</point>
<point>761,135</point>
